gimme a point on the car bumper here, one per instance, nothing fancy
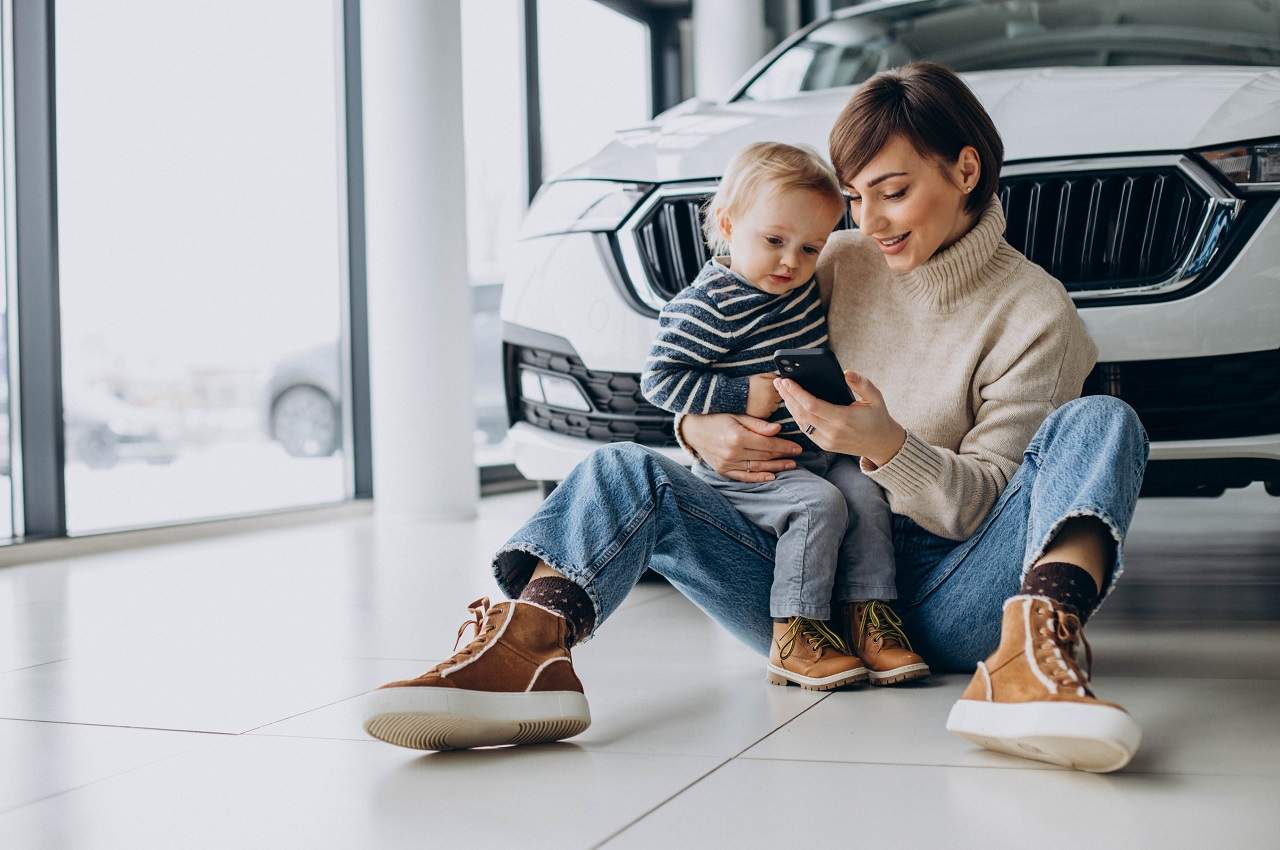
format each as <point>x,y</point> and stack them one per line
<point>1262,447</point>
<point>546,456</point>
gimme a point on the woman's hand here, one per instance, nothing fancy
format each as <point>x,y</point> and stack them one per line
<point>739,447</point>
<point>863,428</point>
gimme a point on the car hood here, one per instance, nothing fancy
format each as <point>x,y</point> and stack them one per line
<point>1046,112</point>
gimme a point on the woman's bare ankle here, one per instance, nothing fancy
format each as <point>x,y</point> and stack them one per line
<point>545,570</point>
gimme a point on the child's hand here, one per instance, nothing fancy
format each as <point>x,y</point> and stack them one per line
<point>762,396</point>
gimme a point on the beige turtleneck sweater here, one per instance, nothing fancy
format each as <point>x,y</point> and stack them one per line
<point>972,350</point>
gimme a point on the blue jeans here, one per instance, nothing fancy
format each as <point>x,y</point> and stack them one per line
<point>626,508</point>
<point>833,528</point>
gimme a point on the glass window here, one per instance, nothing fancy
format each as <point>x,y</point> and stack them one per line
<point>492,106</point>
<point>200,236</point>
<point>985,36</point>
<point>6,431</point>
<point>593,72</point>
<point>580,113</point>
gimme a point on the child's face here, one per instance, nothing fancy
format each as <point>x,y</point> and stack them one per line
<point>775,242</point>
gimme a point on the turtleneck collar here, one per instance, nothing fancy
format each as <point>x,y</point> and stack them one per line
<point>949,276</point>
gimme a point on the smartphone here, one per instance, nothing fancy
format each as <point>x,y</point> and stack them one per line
<point>815,369</point>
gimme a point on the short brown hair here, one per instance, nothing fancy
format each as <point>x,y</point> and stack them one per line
<point>932,108</point>
<point>766,166</point>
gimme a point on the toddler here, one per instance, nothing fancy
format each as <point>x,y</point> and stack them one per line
<point>768,221</point>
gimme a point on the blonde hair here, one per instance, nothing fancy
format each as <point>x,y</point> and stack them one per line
<point>759,167</point>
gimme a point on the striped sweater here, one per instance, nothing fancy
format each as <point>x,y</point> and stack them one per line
<point>720,330</point>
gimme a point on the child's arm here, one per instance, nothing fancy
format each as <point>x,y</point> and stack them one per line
<point>679,375</point>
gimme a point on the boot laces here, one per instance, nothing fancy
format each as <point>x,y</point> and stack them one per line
<point>482,627</point>
<point>879,620</point>
<point>814,632</point>
<point>1063,634</point>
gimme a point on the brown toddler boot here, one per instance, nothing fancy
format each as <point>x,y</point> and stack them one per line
<point>1032,699</point>
<point>512,684</point>
<point>875,633</point>
<point>809,654</point>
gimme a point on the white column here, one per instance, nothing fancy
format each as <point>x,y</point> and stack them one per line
<point>728,38</point>
<point>419,303</point>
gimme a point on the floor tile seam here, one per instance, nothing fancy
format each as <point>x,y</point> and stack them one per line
<point>33,666</point>
<point>883,763</point>
<point>121,726</point>
<point>594,749</point>
<point>657,598</point>
<point>586,748</point>
<point>368,740</point>
<point>308,711</point>
<point>704,776</point>
<point>107,778</point>
<point>1049,769</point>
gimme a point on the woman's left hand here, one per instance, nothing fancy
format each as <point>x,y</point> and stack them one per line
<point>863,428</point>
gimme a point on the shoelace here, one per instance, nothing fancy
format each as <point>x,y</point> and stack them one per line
<point>479,612</point>
<point>1062,634</point>
<point>480,622</point>
<point>878,620</point>
<point>815,632</point>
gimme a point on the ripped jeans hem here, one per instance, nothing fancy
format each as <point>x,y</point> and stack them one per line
<point>508,570</point>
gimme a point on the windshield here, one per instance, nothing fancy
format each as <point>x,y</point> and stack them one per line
<point>985,35</point>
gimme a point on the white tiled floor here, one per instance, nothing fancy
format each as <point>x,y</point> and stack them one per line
<point>208,694</point>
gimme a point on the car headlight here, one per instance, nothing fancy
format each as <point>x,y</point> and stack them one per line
<point>571,206</point>
<point>1251,166</point>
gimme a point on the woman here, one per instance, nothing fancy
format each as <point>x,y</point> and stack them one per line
<point>1011,496</point>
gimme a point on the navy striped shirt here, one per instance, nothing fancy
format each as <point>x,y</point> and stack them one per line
<point>718,331</point>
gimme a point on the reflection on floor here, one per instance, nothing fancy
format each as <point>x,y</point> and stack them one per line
<point>208,694</point>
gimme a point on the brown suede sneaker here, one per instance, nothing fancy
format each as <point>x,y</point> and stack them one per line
<point>512,684</point>
<point>809,654</point>
<point>875,633</point>
<point>1032,699</point>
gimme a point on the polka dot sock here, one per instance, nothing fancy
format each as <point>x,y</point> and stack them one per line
<point>1066,584</point>
<point>566,599</point>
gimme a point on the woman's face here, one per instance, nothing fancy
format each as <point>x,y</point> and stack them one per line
<point>913,205</point>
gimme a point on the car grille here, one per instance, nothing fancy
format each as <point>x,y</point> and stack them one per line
<point>1197,398</point>
<point>1094,231</point>
<point>671,243</point>
<point>619,412</point>
<point>1105,230</point>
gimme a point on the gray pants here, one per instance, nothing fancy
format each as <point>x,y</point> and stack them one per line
<point>834,529</point>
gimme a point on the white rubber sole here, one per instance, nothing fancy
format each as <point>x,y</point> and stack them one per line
<point>779,676</point>
<point>1095,738</point>
<point>423,718</point>
<point>898,675</point>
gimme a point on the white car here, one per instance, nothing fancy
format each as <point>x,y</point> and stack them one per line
<point>1142,169</point>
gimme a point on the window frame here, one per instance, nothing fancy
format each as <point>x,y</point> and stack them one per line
<point>29,162</point>
<point>31,263</point>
